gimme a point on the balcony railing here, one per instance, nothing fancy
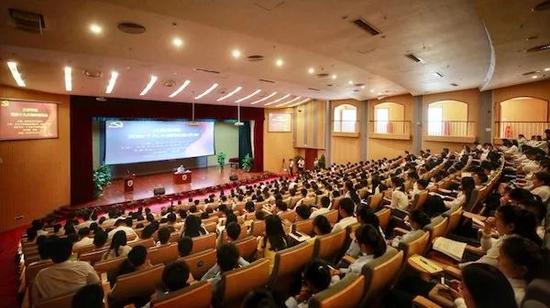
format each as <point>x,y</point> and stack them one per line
<point>394,128</point>
<point>345,127</point>
<point>450,129</point>
<point>511,129</point>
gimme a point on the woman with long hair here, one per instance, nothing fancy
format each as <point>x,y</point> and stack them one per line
<point>274,240</point>
<point>192,227</point>
<point>119,246</point>
<point>467,186</point>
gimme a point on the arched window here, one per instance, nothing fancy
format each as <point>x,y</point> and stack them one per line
<point>389,118</point>
<point>514,120</point>
<point>345,119</point>
<point>448,118</point>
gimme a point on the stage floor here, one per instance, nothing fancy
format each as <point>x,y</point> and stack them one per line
<point>144,185</point>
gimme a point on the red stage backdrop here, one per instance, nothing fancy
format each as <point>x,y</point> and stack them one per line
<point>85,108</point>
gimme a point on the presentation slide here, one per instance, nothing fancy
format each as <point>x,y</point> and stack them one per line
<point>142,141</point>
<point>280,122</point>
<point>27,120</point>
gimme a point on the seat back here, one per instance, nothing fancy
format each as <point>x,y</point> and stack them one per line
<point>147,243</point>
<point>416,243</point>
<point>197,295</point>
<point>163,254</point>
<point>376,200</point>
<point>64,300</point>
<point>336,203</point>
<point>304,226</point>
<point>332,216</point>
<point>83,249</point>
<point>141,283</point>
<point>109,266</point>
<point>454,220</point>
<point>247,247</point>
<point>384,216</point>
<point>328,246</point>
<point>32,269</point>
<point>210,227</point>
<point>308,201</point>
<point>380,274</point>
<point>237,283</point>
<point>289,262</point>
<point>346,293</point>
<point>419,200</point>
<point>288,215</point>
<point>200,263</point>
<point>470,206</point>
<point>437,227</point>
<point>93,256</point>
<point>201,243</point>
<point>537,290</point>
<point>257,228</point>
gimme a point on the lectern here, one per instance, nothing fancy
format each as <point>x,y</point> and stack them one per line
<point>129,183</point>
<point>182,178</point>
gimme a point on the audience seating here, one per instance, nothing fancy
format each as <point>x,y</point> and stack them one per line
<point>380,274</point>
<point>328,246</point>
<point>199,263</point>
<point>93,256</point>
<point>136,284</point>
<point>147,243</point>
<point>304,226</point>
<point>237,283</point>
<point>201,243</point>
<point>437,227</point>
<point>384,216</point>
<point>108,266</point>
<point>163,254</point>
<point>346,293</point>
<point>332,216</point>
<point>257,228</point>
<point>247,247</point>
<point>198,295</point>
<point>416,243</point>
<point>64,300</point>
<point>288,263</point>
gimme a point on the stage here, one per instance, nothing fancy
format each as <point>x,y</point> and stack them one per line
<point>144,185</point>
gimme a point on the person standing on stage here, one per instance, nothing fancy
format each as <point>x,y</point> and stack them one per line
<point>301,165</point>
<point>291,166</point>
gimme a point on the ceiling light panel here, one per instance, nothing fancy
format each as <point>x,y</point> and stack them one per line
<point>68,78</point>
<point>264,99</point>
<point>149,85</point>
<point>212,87</point>
<point>248,96</point>
<point>290,101</point>
<point>181,88</point>
<point>112,82</point>
<point>237,89</point>
<point>277,100</point>
<point>15,74</point>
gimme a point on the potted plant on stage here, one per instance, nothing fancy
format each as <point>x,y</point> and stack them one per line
<point>221,159</point>
<point>102,178</point>
<point>247,163</point>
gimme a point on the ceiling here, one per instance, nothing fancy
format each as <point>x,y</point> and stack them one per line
<point>471,44</point>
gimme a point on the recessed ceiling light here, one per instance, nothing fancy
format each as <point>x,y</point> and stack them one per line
<point>311,70</point>
<point>248,96</point>
<point>15,74</point>
<point>112,81</point>
<point>68,79</point>
<point>181,88</point>
<point>350,82</point>
<point>263,99</point>
<point>279,62</point>
<point>547,69</point>
<point>290,101</point>
<point>212,87</point>
<point>534,76</point>
<point>177,42</point>
<point>236,53</point>
<point>277,100</point>
<point>237,89</point>
<point>380,93</point>
<point>149,85</point>
<point>334,76</point>
<point>96,29</point>
<point>362,87</point>
<point>371,90</point>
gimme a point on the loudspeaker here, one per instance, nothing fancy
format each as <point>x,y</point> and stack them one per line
<point>159,191</point>
<point>233,177</point>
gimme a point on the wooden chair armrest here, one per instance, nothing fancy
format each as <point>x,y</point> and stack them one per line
<point>453,271</point>
<point>348,259</point>
<point>400,231</point>
<point>439,299</point>
<point>472,215</point>
<point>422,302</point>
<point>475,250</point>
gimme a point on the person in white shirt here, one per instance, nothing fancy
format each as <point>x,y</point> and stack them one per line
<point>126,226</point>
<point>180,169</point>
<point>84,239</point>
<point>325,207</point>
<point>63,276</point>
<point>119,246</point>
<point>467,186</point>
<point>316,278</point>
<point>346,212</point>
<point>399,199</point>
<point>541,185</point>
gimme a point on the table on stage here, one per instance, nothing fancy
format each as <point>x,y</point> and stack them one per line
<point>182,178</point>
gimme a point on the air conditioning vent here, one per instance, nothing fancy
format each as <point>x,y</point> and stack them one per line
<point>169,83</point>
<point>329,85</point>
<point>131,28</point>
<point>322,75</point>
<point>543,6</point>
<point>359,84</point>
<point>529,73</point>
<point>414,58</point>
<point>542,47</point>
<point>93,74</point>
<point>266,80</point>
<point>363,24</point>
<point>454,84</point>
<point>255,58</point>
<point>27,21</point>
<point>438,74</point>
<point>206,71</point>
<point>314,89</point>
<point>356,90</point>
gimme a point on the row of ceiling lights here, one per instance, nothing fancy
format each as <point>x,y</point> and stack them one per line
<point>153,79</point>
<point>537,76</point>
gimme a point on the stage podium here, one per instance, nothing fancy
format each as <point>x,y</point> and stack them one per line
<point>129,183</point>
<point>182,178</point>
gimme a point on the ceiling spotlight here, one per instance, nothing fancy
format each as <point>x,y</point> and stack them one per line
<point>248,96</point>
<point>380,93</point>
<point>534,76</point>
<point>15,74</point>
<point>547,69</point>
<point>263,99</point>
<point>181,88</point>
<point>350,82</point>
<point>149,85</point>
<point>362,87</point>
<point>177,42</point>
<point>212,87</point>
<point>277,100</point>
<point>279,62</point>
<point>237,89</point>
<point>311,70</point>
<point>112,81</point>
<point>236,53</point>
<point>68,79</point>
<point>371,90</point>
<point>96,29</point>
<point>334,76</point>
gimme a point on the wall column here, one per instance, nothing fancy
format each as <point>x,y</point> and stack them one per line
<point>328,132</point>
<point>416,124</point>
<point>485,125</point>
<point>363,129</point>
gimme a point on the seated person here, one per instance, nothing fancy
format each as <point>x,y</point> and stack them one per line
<point>63,276</point>
<point>231,233</point>
<point>417,220</point>
<point>100,238</point>
<point>136,260</point>
<point>467,186</point>
<point>192,227</point>
<point>321,226</point>
<point>315,278</point>
<point>185,246</point>
<point>325,207</point>
<point>164,236</point>
<point>346,212</point>
<point>228,258</point>
<point>275,238</point>
<point>83,238</point>
<point>119,246</point>
<point>126,226</point>
<point>89,296</point>
<point>174,277</point>
<point>303,212</point>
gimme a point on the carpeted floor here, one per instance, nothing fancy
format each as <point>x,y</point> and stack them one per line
<point>9,241</point>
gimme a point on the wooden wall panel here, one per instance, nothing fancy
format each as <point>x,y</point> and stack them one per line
<point>277,146</point>
<point>34,174</point>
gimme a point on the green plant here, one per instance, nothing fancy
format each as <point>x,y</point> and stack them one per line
<point>322,162</point>
<point>247,162</point>
<point>102,178</point>
<point>221,158</point>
